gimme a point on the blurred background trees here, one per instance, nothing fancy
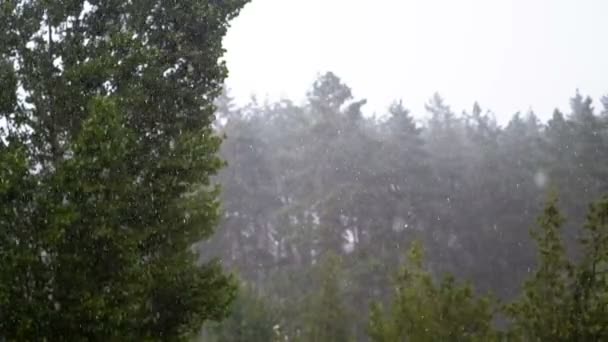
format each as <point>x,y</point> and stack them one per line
<point>308,179</point>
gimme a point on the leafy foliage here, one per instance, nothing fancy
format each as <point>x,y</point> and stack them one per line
<point>106,168</point>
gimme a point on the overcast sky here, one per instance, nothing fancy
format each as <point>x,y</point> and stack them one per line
<point>508,55</point>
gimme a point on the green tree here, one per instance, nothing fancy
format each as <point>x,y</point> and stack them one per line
<point>425,311</point>
<point>326,316</point>
<point>107,167</point>
<point>589,293</point>
<point>566,301</point>
<point>541,314</point>
<point>252,318</point>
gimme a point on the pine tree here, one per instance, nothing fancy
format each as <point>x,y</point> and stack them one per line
<point>425,311</point>
<point>252,318</point>
<point>589,313</point>
<point>327,318</point>
<point>541,314</point>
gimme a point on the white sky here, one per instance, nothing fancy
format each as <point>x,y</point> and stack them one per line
<point>508,55</point>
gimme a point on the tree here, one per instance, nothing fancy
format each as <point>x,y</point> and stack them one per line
<point>327,318</point>
<point>108,165</point>
<point>252,318</point>
<point>565,301</point>
<point>541,313</point>
<point>311,178</point>
<point>589,292</point>
<point>588,141</point>
<point>329,93</point>
<point>425,311</point>
<point>448,214</point>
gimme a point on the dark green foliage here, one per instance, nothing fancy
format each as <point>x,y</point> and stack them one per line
<point>565,301</point>
<point>590,289</point>
<point>423,310</point>
<point>128,284</point>
<point>542,311</point>
<point>106,168</point>
<point>326,318</point>
<point>108,151</point>
<point>252,318</point>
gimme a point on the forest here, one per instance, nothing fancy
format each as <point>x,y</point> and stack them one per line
<point>322,206</point>
<point>139,202</point>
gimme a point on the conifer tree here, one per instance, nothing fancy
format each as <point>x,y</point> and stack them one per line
<point>425,311</point>
<point>589,311</point>
<point>541,314</point>
<point>327,318</point>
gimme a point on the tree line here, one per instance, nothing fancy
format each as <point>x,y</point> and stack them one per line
<point>113,132</point>
<point>321,203</point>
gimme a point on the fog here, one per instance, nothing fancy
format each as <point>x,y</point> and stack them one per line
<point>508,55</point>
<point>320,178</point>
<point>355,129</point>
<point>286,170</point>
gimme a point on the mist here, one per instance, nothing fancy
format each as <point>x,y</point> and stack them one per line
<point>309,180</point>
<point>314,171</point>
